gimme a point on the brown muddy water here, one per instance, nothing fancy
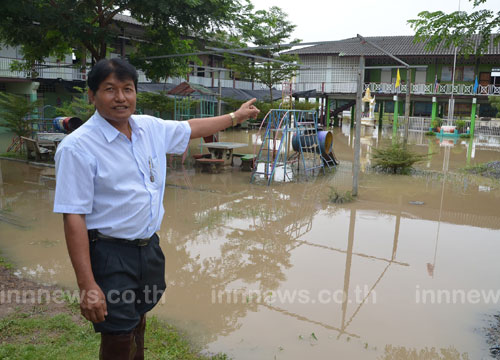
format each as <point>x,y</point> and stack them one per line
<point>259,272</point>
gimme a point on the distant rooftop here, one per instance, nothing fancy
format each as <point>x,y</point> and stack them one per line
<point>396,45</point>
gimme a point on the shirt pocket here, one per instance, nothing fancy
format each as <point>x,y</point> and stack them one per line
<point>154,172</point>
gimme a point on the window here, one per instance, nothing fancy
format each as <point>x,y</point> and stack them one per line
<point>462,73</point>
<point>468,73</point>
<point>446,73</point>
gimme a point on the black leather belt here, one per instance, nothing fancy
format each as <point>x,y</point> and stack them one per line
<point>95,235</point>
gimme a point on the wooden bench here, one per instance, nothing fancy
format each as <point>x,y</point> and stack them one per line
<point>34,150</point>
<point>201,156</point>
<point>211,165</point>
<point>247,162</point>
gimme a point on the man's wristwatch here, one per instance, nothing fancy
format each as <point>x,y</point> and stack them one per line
<point>233,119</point>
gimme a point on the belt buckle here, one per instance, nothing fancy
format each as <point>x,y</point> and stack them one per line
<point>143,242</point>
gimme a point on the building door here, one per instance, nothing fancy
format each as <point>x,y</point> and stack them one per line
<point>385,77</point>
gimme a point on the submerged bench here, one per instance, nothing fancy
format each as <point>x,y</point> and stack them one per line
<point>34,150</point>
<point>210,165</point>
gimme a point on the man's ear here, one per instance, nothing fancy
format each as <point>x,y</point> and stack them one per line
<point>91,96</point>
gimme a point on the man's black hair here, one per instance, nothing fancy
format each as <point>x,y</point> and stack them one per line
<point>105,67</point>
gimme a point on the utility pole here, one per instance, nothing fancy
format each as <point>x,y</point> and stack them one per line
<point>219,100</point>
<point>357,140</point>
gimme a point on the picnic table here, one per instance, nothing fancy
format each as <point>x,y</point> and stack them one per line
<point>49,140</point>
<point>223,150</point>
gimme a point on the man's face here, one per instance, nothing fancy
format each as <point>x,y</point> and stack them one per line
<point>114,99</point>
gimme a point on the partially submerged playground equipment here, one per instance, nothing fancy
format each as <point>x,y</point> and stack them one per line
<point>291,146</point>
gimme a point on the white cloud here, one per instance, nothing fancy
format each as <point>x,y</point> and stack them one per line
<point>319,20</point>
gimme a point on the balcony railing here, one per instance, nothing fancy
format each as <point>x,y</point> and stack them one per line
<point>49,70</point>
<point>388,88</point>
<point>66,72</point>
<point>433,89</point>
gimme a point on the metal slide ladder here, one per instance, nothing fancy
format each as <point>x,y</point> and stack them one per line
<point>274,154</point>
<point>268,156</point>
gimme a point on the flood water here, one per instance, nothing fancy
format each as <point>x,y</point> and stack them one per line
<point>259,272</point>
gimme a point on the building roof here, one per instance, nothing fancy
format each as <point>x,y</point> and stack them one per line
<point>186,89</point>
<point>396,45</point>
<point>244,95</point>
<point>127,19</point>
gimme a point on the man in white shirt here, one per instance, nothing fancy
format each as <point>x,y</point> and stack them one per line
<point>110,186</point>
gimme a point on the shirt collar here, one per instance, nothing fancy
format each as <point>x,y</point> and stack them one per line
<point>109,131</point>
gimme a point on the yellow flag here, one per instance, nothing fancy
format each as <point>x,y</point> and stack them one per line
<point>398,79</point>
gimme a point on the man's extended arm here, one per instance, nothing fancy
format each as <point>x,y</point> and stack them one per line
<point>208,126</point>
<point>92,300</point>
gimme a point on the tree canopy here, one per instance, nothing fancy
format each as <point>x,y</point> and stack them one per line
<point>57,27</point>
<point>458,28</point>
<point>262,28</point>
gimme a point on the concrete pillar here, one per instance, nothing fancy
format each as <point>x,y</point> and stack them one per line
<point>434,108</point>
<point>34,97</point>
<point>380,114</point>
<point>327,112</point>
<point>473,117</point>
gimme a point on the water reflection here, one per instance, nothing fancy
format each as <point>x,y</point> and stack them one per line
<point>224,235</point>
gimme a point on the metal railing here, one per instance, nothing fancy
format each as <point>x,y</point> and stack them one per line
<point>423,124</point>
<point>433,89</point>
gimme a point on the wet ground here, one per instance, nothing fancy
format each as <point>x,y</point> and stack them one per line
<point>260,272</point>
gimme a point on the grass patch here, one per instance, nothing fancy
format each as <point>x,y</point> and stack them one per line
<point>13,155</point>
<point>338,197</point>
<point>396,158</point>
<point>27,337</point>
<point>4,263</point>
<point>464,136</point>
<point>476,169</point>
<point>430,133</point>
<point>45,332</point>
<point>46,337</point>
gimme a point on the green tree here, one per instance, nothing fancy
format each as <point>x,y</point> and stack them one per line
<point>56,27</point>
<point>157,102</point>
<point>495,102</point>
<point>79,106</point>
<point>265,28</point>
<point>15,113</point>
<point>458,28</point>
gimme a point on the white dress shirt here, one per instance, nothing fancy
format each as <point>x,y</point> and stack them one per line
<point>116,182</point>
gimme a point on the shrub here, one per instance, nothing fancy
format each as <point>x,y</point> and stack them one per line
<point>437,122</point>
<point>396,158</point>
<point>430,133</point>
<point>79,106</point>
<point>15,113</point>
<point>465,136</point>
<point>340,198</point>
<point>460,125</point>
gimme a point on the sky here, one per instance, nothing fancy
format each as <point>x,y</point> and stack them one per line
<point>328,20</point>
